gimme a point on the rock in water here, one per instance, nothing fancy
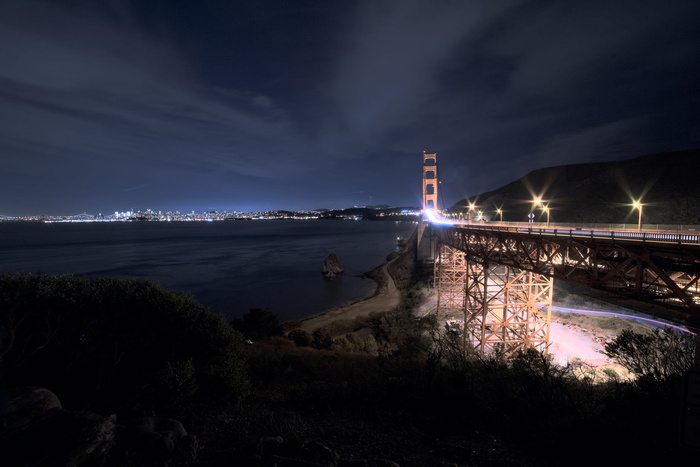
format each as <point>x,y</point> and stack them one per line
<point>332,266</point>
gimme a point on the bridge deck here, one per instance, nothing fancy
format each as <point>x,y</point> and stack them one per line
<point>656,234</point>
<point>653,270</point>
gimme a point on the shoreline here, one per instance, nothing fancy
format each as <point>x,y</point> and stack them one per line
<point>385,297</point>
<point>567,342</point>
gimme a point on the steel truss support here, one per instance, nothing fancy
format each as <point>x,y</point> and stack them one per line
<point>451,284</point>
<point>663,280</point>
<point>501,310</point>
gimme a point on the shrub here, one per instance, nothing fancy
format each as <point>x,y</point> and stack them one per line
<point>355,342</point>
<point>321,339</point>
<point>300,337</point>
<point>369,345</point>
<point>401,334</point>
<point>655,355</point>
<point>116,345</point>
<point>341,343</point>
<point>257,324</point>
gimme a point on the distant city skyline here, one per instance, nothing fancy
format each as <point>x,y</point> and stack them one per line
<point>256,106</point>
<point>155,214</point>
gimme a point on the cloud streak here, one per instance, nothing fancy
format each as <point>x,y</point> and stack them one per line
<point>121,102</point>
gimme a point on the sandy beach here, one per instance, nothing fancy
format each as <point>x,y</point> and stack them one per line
<point>385,298</point>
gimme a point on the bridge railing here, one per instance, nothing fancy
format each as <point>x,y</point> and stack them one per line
<point>649,233</point>
<point>572,226</point>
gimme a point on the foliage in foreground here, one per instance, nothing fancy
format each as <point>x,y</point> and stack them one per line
<point>116,345</point>
<point>257,324</point>
<point>436,402</point>
<point>425,377</point>
<point>416,395</point>
<point>656,355</point>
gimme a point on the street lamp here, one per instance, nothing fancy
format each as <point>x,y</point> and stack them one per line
<point>472,206</point>
<point>638,205</point>
<point>499,211</point>
<point>546,209</point>
<point>535,202</point>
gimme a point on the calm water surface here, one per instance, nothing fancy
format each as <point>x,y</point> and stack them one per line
<point>230,267</point>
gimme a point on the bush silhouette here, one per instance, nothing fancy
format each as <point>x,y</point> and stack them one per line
<point>116,345</point>
<point>300,337</point>
<point>656,355</point>
<point>258,323</point>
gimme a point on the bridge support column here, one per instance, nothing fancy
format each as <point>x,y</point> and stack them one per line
<point>451,282</point>
<point>426,243</point>
<point>501,310</point>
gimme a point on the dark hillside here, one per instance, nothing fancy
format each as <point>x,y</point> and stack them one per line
<point>668,184</point>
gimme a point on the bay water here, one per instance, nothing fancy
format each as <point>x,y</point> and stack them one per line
<point>229,266</point>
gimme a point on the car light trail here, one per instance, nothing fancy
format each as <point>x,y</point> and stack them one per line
<point>621,315</point>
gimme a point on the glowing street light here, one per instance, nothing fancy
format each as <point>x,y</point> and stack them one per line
<point>546,209</point>
<point>637,205</point>
<point>535,203</point>
<point>472,207</point>
<point>499,211</point>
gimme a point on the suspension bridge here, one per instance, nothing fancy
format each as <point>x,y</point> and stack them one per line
<point>495,280</point>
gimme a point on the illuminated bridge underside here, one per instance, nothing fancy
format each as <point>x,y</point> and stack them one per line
<point>500,310</point>
<point>660,278</point>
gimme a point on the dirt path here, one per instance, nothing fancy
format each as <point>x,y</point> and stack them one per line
<point>385,298</point>
<point>568,344</point>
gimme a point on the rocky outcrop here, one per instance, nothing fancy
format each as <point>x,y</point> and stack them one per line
<point>36,430</point>
<point>21,406</point>
<point>332,266</point>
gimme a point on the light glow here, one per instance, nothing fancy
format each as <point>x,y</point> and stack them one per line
<point>437,218</point>
<point>637,204</point>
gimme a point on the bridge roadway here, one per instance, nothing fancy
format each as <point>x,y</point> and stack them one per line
<point>652,271</point>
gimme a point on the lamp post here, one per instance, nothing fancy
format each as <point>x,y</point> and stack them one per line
<point>638,205</point>
<point>535,202</point>
<point>499,211</point>
<point>469,213</point>
<point>546,210</point>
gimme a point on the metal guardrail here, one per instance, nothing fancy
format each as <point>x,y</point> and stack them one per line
<point>589,226</point>
<point>677,234</point>
<point>665,237</point>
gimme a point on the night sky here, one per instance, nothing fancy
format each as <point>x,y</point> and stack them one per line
<point>229,105</point>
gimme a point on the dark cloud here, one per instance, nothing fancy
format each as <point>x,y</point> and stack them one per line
<point>307,104</point>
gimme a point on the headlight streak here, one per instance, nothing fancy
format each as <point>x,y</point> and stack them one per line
<point>621,315</point>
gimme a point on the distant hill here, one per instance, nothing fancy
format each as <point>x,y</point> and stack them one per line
<point>668,183</point>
